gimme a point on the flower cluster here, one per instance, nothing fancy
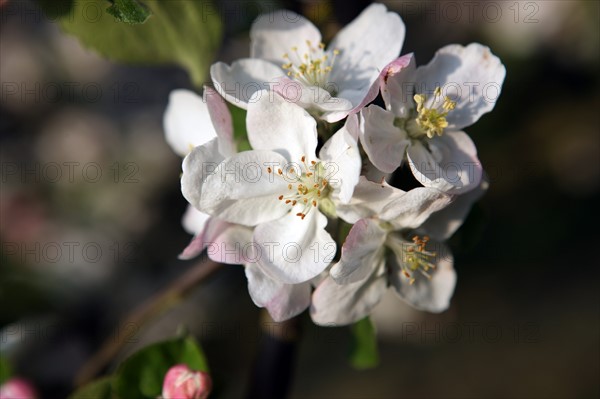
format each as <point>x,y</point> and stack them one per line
<point>308,209</point>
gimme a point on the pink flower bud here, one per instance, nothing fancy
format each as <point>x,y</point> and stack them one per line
<point>183,383</point>
<point>17,388</point>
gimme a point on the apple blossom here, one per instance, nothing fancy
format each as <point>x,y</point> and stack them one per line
<point>426,110</point>
<point>280,187</point>
<point>383,252</point>
<point>287,55</point>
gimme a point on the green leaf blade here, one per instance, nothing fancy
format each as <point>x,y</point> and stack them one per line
<point>141,375</point>
<point>129,12</point>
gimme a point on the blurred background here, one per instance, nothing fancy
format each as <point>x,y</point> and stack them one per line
<point>91,215</point>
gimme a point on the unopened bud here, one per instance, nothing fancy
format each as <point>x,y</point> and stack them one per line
<point>17,388</point>
<point>182,383</point>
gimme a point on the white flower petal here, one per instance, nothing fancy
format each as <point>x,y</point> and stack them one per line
<point>442,224</point>
<point>334,304</point>
<point>341,159</point>
<point>187,122</point>
<point>362,250</point>
<point>472,76</point>
<point>368,200</point>
<point>312,98</point>
<point>193,220</point>
<point>294,250</point>
<point>238,83</point>
<point>413,208</point>
<point>424,294</point>
<point>274,34</point>
<point>283,301</point>
<point>221,121</point>
<point>366,45</point>
<point>197,166</point>
<point>240,189</point>
<point>352,100</point>
<point>384,143</point>
<point>276,124</point>
<point>456,170</point>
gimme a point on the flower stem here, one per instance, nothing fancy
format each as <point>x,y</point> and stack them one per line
<point>148,310</point>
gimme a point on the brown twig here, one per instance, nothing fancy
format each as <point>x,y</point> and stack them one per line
<point>148,310</point>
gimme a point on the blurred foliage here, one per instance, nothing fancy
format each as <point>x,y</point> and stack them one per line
<point>99,389</point>
<point>5,370</point>
<point>238,116</point>
<point>186,33</point>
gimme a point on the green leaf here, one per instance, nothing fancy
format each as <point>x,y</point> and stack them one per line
<point>142,374</point>
<point>5,370</point>
<point>129,11</point>
<point>99,389</point>
<point>182,32</point>
<point>364,353</point>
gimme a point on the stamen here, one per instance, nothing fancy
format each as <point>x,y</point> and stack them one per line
<point>413,256</point>
<point>432,121</point>
<point>312,67</point>
<point>306,191</point>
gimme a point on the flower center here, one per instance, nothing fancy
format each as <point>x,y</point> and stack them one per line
<point>312,68</point>
<point>413,256</point>
<point>306,186</point>
<point>430,119</point>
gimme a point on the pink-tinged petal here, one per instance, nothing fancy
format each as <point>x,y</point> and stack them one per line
<point>274,34</point>
<point>362,249</point>
<point>384,143</point>
<point>442,224</point>
<point>410,210</point>
<point>182,383</point>
<point>334,304</point>
<point>450,164</point>
<point>359,98</point>
<point>368,200</point>
<point>472,76</point>
<point>224,243</point>
<point>193,249</point>
<point>228,242</point>
<point>294,250</point>
<point>397,85</point>
<point>366,46</point>
<point>238,83</point>
<point>341,159</point>
<point>193,220</point>
<point>432,295</point>
<point>221,120</point>
<point>197,166</point>
<point>17,388</point>
<point>242,190</point>
<point>313,98</point>
<point>283,301</point>
<point>187,122</point>
<point>278,125</point>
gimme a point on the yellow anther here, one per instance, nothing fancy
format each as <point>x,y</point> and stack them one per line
<point>432,121</point>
